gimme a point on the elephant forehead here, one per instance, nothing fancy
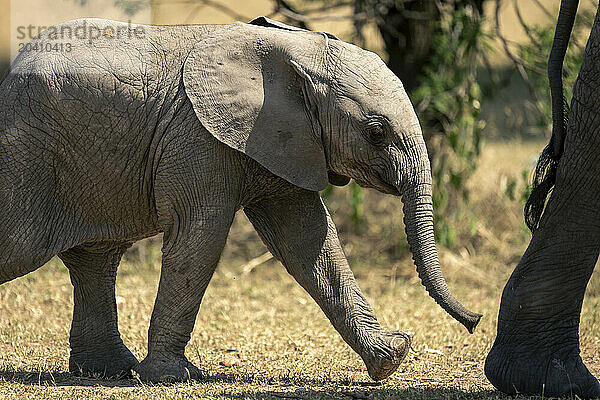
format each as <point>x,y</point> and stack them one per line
<point>368,82</point>
<point>391,101</point>
<point>362,65</point>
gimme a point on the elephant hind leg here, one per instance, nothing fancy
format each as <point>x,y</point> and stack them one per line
<point>96,345</point>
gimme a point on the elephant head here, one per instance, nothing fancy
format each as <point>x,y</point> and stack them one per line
<point>311,108</point>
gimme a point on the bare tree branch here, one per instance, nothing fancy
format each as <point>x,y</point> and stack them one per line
<point>544,9</point>
<point>519,64</point>
<point>524,25</point>
<point>306,18</point>
<point>328,7</point>
<point>552,19</point>
<point>217,6</point>
<point>358,36</point>
<point>283,5</point>
<point>192,15</point>
<point>310,10</point>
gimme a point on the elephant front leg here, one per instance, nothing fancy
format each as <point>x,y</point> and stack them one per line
<point>96,345</point>
<point>536,350</point>
<point>191,252</point>
<point>298,230</point>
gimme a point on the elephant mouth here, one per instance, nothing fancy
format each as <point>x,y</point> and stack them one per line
<point>337,179</point>
<point>380,185</point>
<point>389,189</point>
<point>386,187</point>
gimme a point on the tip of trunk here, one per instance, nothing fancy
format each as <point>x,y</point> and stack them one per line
<point>471,321</point>
<point>453,307</point>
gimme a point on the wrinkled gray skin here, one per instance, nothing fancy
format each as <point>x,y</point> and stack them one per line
<point>536,350</point>
<point>119,140</point>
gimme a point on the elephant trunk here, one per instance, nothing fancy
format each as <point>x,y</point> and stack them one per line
<point>418,220</point>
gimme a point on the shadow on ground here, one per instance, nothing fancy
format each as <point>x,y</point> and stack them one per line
<point>387,393</point>
<point>287,387</point>
<point>59,378</point>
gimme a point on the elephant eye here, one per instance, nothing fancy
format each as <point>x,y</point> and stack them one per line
<point>375,133</point>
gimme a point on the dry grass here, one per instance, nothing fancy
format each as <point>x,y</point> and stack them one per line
<point>283,345</point>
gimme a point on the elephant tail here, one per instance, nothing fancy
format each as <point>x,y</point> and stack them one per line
<point>543,181</point>
<point>545,171</point>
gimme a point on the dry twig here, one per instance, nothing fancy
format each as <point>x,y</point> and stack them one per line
<point>255,262</point>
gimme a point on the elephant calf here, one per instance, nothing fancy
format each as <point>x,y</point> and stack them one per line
<point>134,130</point>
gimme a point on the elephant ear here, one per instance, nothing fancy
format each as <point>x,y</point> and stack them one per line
<point>251,89</point>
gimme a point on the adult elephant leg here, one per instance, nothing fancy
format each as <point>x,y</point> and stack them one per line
<point>299,232</point>
<point>193,245</point>
<point>96,345</point>
<point>537,346</point>
<point>536,350</point>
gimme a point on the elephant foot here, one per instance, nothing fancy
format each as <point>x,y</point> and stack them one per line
<point>100,362</point>
<point>163,368</point>
<point>539,370</point>
<point>387,353</point>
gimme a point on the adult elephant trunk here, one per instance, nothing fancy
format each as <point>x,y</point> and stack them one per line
<point>418,220</point>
